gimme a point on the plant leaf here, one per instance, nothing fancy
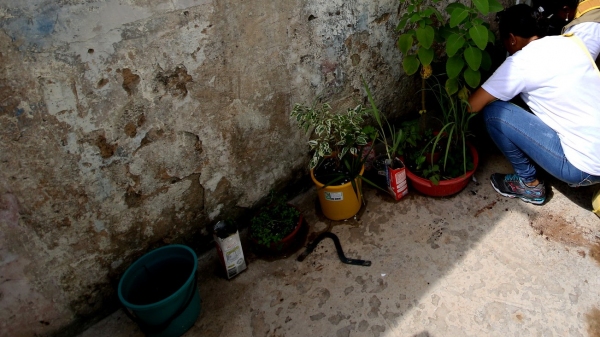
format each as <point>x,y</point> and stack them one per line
<point>479,34</point>
<point>451,86</point>
<point>491,37</point>
<point>454,65</point>
<point>410,64</point>
<point>473,57</point>
<point>495,6</point>
<point>472,77</point>
<point>477,21</point>
<point>454,6</point>
<point>402,23</point>
<point>458,15</point>
<point>427,12</point>
<point>405,41</point>
<point>425,55</point>
<point>486,60</point>
<point>454,43</point>
<point>438,15</point>
<point>425,36</point>
<point>483,6</point>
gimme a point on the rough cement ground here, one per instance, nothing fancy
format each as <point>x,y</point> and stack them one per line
<point>476,264</point>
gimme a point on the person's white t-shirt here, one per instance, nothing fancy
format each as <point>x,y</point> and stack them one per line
<point>589,33</point>
<point>560,84</point>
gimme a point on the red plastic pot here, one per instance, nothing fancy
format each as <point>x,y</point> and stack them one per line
<point>445,187</point>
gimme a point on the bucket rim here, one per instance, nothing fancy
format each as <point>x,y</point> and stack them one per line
<point>166,299</point>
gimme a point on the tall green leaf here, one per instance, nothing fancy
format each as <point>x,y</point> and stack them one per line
<point>454,43</point>
<point>482,5</point>
<point>454,65</point>
<point>491,37</point>
<point>410,64</point>
<point>451,86</point>
<point>402,23</point>
<point>425,36</point>
<point>425,55</point>
<point>495,6</point>
<point>473,57</point>
<point>427,12</point>
<point>454,6</point>
<point>458,15</point>
<point>486,60</point>
<point>472,77</point>
<point>479,34</point>
<point>405,41</point>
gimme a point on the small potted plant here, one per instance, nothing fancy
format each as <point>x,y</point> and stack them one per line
<point>275,225</point>
<point>337,163</point>
<point>393,140</point>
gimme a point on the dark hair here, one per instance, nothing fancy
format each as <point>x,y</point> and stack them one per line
<point>551,7</point>
<point>553,11</point>
<point>522,20</point>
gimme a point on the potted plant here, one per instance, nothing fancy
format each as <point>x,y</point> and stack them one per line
<point>460,35</point>
<point>393,140</point>
<point>337,163</point>
<point>457,159</point>
<point>275,225</point>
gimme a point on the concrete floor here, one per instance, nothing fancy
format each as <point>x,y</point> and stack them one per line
<point>476,264</point>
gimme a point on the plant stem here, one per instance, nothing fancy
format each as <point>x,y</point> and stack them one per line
<point>422,93</point>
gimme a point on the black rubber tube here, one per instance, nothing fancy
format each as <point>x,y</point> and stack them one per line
<point>338,246</point>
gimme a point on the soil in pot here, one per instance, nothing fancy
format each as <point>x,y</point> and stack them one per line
<point>330,169</point>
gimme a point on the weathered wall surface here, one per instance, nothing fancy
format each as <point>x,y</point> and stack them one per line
<point>126,124</point>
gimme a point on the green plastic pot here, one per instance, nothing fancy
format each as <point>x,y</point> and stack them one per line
<point>159,291</point>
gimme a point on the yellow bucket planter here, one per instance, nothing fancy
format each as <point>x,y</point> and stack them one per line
<point>339,202</point>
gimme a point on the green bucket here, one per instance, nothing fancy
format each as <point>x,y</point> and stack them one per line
<point>159,291</point>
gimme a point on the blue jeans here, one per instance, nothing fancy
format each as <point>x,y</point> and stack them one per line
<point>524,140</point>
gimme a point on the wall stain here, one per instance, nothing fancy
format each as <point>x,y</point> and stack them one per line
<point>383,18</point>
<point>106,150</point>
<point>175,81</point>
<point>595,252</point>
<point>130,80</point>
<point>593,320</point>
<point>130,130</point>
<point>102,83</point>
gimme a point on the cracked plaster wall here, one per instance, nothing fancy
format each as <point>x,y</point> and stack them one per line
<point>127,124</point>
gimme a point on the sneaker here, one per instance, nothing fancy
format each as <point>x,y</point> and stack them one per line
<point>510,185</point>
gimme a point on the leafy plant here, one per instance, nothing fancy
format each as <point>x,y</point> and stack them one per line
<point>391,137</point>
<point>274,221</point>
<point>336,141</point>
<point>455,122</point>
<point>334,133</point>
<point>460,34</point>
<point>451,139</point>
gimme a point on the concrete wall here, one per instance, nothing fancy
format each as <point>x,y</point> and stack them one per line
<point>129,124</point>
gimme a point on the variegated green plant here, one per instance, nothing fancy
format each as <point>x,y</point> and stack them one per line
<point>333,133</point>
<point>339,133</point>
<point>461,34</point>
